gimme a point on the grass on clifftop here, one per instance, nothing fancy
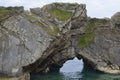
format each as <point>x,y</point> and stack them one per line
<point>61,14</point>
<point>3,12</point>
<point>67,6</point>
<point>89,36</point>
<point>94,23</point>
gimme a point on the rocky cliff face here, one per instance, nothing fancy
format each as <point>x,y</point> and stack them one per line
<point>102,53</point>
<point>42,39</point>
<point>29,38</point>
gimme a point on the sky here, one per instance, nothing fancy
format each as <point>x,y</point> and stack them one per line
<point>95,8</point>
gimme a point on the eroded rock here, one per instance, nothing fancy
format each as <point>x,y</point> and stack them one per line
<point>42,41</point>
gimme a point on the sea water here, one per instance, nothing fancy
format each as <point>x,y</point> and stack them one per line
<point>73,70</point>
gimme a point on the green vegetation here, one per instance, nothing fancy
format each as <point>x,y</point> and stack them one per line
<point>87,38</point>
<point>59,4</point>
<point>31,18</point>
<point>94,23</point>
<point>66,6</point>
<point>34,20</point>
<point>3,12</point>
<point>5,79</point>
<point>61,14</point>
<point>53,31</point>
<point>71,6</point>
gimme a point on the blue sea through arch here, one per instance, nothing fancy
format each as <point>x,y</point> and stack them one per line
<point>74,70</point>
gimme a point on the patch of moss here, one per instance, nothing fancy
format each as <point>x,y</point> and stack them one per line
<point>86,39</point>
<point>94,23</point>
<point>74,4</point>
<point>4,12</point>
<point>61,14</point>
<point>53,31</point>
<point>32,19</point>
<point>29,17</point>
<point>58,4</point>
<point>67,6</point>
<point>38,23</point>
<point>35,21</point>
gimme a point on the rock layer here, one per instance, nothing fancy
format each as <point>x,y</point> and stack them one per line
<point>43,39</point>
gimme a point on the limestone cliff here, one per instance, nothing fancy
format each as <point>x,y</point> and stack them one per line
<point>42,39</point>
<point>31,37</point>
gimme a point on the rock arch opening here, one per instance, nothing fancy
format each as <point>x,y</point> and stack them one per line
<point>74,65</point>
<point>70,69</point>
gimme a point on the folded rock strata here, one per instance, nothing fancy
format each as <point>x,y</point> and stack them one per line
<point>43,39</point>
